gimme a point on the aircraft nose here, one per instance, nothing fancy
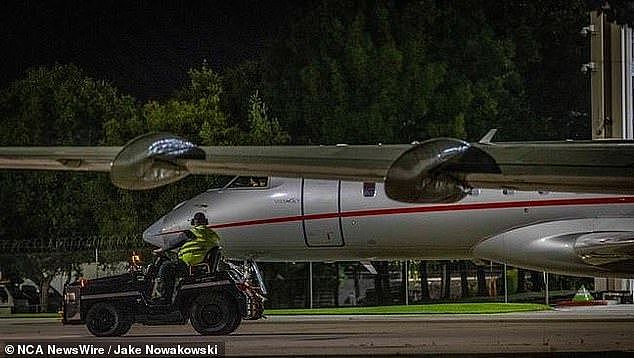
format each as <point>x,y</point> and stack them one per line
<point>171,226</point>
<point>153,230</point>
<point>165,231</point>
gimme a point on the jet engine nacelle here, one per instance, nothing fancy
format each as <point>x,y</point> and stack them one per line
<point>152,160</point>
<point>591,247</point>
<point>425,173</point>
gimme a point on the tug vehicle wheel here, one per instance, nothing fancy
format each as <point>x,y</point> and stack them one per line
<point>214,315</point>
<point>106,320</point>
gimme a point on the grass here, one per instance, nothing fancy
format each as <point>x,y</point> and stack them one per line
<point>30,315</point>
<point>443,308</point>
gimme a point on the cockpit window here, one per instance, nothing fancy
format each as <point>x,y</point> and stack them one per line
<point>249,182</point>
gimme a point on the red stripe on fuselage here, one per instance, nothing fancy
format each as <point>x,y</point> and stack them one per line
<point>433,208</point>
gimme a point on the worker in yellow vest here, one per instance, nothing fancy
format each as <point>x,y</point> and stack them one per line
<point>202,241</point>
<point>198,243</point>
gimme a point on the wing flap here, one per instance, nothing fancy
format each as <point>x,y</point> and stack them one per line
<point>359,162</point>
<point>58,158</point>
<point>589,167</point>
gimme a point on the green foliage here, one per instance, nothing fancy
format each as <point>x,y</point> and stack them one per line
<point>548,54</point>
<point>56,106</point>
<point>443,308</point>
<point>384,73</point>
<point>512,280</point>
<point>264,130</point>
<point>61,105</point>
<point>240,82</point>
<point>618,11</point>
<point>195,113</point>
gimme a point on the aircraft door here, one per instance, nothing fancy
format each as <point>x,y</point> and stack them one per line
<point>321,207</point>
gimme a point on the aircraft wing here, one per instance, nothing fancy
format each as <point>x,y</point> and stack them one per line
<point>96,159</point>
<point>156,159</point>
<point>587,166</point>
<point>579,166</point>
<point>437,170</point>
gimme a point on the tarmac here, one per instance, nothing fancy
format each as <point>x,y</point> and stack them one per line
<point>607,329</point>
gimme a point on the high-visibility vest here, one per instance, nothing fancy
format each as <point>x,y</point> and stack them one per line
<point>194,251</point>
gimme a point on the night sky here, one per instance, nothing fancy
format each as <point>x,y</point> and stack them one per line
<point>143,47</point>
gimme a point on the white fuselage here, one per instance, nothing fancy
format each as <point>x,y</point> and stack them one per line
<point>325,220</point>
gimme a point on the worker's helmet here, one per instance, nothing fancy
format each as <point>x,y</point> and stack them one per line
<point>199,219</point>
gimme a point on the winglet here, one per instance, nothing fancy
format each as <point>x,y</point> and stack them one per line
<point>487,137</point>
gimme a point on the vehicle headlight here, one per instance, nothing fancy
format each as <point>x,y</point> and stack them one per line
<point>70,297</point>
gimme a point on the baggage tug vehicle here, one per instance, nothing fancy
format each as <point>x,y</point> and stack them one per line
<point>214,301</point>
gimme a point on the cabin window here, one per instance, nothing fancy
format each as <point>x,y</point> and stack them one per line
<point>369,190</point>
<point>249,182</point>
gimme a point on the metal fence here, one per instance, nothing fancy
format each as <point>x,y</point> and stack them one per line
<point>72,244</point>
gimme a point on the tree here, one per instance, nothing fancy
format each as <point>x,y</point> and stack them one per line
<point>55,106</point>
<point>381,72</point>
<point>263,130</point>
<point>404,281</point>
<point>424,281</point>
<point>382,283</point>
<point>482,282</point>
<point>537,281</point>
<point>464,282</point>
<point>618,11</point>
<point>61,105</point>
<point>548,52</point>
<point>195,112</point>
<point>240,82</point>
<point>521,280</point>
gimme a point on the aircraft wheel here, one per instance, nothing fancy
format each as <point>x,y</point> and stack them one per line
<point>106,320</point>
<point>214,315</point>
